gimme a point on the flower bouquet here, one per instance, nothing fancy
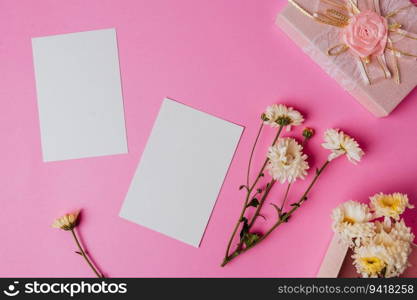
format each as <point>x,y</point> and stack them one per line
<point>285,163</point>
<point>380,240</point>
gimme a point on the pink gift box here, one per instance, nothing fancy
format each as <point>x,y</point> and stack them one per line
<point>338,262</point>
<point>315,38</point>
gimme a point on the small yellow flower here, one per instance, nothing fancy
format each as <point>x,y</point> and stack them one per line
<point>389,205</point>
<point>67,221</point>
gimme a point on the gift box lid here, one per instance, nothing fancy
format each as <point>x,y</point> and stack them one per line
<point>315,38</point>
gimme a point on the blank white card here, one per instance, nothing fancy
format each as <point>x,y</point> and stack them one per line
<point>181,172</point>
<point>79,95</point>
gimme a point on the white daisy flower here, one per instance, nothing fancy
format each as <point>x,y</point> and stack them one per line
<point>400,252</point>
<point>382,238</point>
<point>287,161</point>
<point>397,250</point>
<point>381,248</point>
<point>390,205</point>
<point>278,115</point>
<point>372,261</point>
<point>396,238</point>
<point>351,221</point>
<point>401,232</point>
<point>402,247</point>
<point>340,143</point>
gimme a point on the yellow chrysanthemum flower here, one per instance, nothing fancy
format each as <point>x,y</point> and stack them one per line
<point>372,260</point>
<point>67,221</point>
<point>389,205</point>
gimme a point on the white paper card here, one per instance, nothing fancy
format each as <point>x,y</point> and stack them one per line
<point>79,95</point>
<point>181,172</point>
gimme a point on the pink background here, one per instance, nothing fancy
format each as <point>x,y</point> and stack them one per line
<point>224,57</point>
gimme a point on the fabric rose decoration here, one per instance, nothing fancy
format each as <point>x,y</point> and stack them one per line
<point>366,34</point>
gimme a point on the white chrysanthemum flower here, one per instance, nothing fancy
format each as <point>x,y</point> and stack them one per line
<point>398,251</point>
<point>382,238</point>
<point>287,161</point>
<point>397,239</point>
<point>402,246</point>
<point>401,232</point>
<point>280,115</point>
<point>351,221</point>
<point>340,143</point>
<point>391,205</point>
<point>372,261</point>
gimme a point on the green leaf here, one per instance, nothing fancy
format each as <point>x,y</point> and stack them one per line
<point>259,191</point>
<point>254,202</point>
<point>261,175</point>
<point>250,239</point>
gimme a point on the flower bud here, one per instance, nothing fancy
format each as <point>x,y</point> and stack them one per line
<point>308,133</point>
<point>264,118</point>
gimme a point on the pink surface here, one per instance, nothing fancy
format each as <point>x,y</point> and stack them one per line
<point>225,57</point>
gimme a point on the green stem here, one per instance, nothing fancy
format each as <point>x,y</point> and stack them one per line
<point>83,254</point>
<point>258,210</point>
<point>285,196</point>
<point>252,152</point>
<point>266,160</point>
<point>248,195</point>
<point>261,203</point>
<point>283,218</point>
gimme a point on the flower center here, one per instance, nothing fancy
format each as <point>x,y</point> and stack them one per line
<point>390,203</point>
<point>372,265</point>
<point>287,159</point>
<point>349,220</point>
<point>365,32</point>
<point>283,120</point>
